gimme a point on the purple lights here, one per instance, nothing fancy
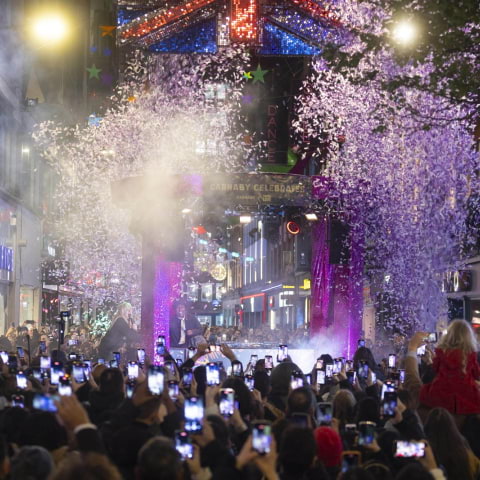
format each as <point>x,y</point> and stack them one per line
<point>166,289</point>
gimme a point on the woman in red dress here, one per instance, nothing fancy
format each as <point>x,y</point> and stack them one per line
<point>455,363</point>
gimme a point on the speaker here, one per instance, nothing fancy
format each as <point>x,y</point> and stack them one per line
<point>339,243</point>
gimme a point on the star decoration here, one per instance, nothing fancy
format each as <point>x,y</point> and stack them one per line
<point>93,72</point>
<point>107,30</point>
<point>132,99</point>
<point>247,75</point>
<point>259,74</point>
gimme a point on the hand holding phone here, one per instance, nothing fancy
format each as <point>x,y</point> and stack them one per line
<point>227,402</point>
<point>155,380</point>
<point>262,437</point>
<point>194,413</point>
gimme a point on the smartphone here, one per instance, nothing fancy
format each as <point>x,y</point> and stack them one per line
<point>194,415</point>
<point>404,449</point>
<point>250,382</point>
<point>116,356</point>
<point>392,361</point>
<point>141,355</point>
<point>173,389</point>
<point>350,428</point>
<point>227,402</point>
<point>113,363</point>
<point>12,362</point>
<point>351,376</point>
<point>187,378</point>
<point>389,404</point>
<point>349,365</point>
<point>432,337</point>
<point>72,342</point>
<point>329,370</point>
<point>401,374</point>
<point>388,386</point>
<point>42,347</point>
<point>268,361</point>
<point>320,377</point>
<point>132,370</point>
<point>170,365</point>
<point>308,378</point>
<point>395,378</point>
<point>338,365</point>
<point>4,356</point>
<point>21,380</point>
<point>191,352</point>
<point>20,352</point>
<point>44,402</point>
<point>350,459</point>
<point>56,372</point>
<point>300,420</point>
<point>160,349</point>
<point>319,364</point>
<point>421,350</point>
<point>183,445</point>
<point>179,362</point>
<point>296,380</point>
<point>72,356</point>
<point>262,437</point>
<point>130,388</point>
<point>282,353</point>
<point>366,433</point>
<point>155,380</point>
<point>64,387</point>
<point>363,369</point>
<point>78,373</point>
<point>161,340</point>
<point>18,401</point>
<point>213,374</point>
<point>101,361</point>
<point>237,368</point>
<point>324,413</point>
<point>361,343</point>
<point>37,374</point>
<point>45,363</point>
<point>253,360</point>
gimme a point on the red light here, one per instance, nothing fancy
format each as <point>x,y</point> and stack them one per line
<point>293,228</point>
<point>244,22</point>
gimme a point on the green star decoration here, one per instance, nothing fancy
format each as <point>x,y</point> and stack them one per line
<point>259,74</point>
<point>93,72</point>
<point>247,75</point>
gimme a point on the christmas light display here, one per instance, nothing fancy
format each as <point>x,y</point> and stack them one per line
<point>300,26</point>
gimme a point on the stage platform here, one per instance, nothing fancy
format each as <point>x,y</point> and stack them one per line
<point>304,358</point>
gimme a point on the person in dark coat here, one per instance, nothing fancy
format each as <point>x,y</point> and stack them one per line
<point>183,327</point>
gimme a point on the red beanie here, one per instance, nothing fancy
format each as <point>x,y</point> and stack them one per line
<point>329,446</point>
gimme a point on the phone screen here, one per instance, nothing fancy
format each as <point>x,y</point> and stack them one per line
<point>329,370</point>
<point>401,376</point>
<point>282,352</point>
<point>193,415</point>
<point>320,377</point>
<point>45,363</point>
<point>20,352</point>
<point>187,378</point>
<point>130,388</point>
<point>319,364</point>
<point>191,352</point>
<point>227,402</point>
<point>296,381</point>
<point>21,380</point>
<point>183,445</point>
<point>361,342</point>
<point>42,347</point>
<point>46,403</point>
<point>421,350</point>
<point>324,413</point>
<point>160,349</point>
<point>432,337</point>
<point>392,360</point>
<point>173,389</point>
<point>236,369</point>
<point>64,387</point>
<point>350,460</point>
<point>363,369</point>
<point>132,370</point>
<point>268,361</point>
<point>213,374</point>
<point>155,380</point>
<point>161,340</point>
<point>351,376</point>
<point>55,373</point>
<point>18,401</point>
<point>262,438</point>
<point>78,373</point>
<point>404,449</point>
<point>253,360</point>
<point>4,356</point>
<point>366,433</point>
<point>141,355</point>
<point>250,382</point>
<point>389,404</point>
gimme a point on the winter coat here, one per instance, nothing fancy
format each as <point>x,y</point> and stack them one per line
<point>453,388</point>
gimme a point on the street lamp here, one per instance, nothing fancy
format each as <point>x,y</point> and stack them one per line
<point>404,32</point>
<point>49,29</point>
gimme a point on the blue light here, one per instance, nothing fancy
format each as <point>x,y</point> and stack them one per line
<point>222,250</point>
<point>126,15</point>
<point>235,255</point>
<point>279,42</point>
<point>199,38</point>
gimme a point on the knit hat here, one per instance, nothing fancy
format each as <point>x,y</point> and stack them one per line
<point>329,446</point>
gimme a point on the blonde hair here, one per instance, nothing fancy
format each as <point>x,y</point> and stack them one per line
<point>459,336</point>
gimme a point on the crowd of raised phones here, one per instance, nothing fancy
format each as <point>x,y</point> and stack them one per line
<point>414,417</point>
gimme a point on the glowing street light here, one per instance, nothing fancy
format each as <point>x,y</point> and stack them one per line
<point>50,28</point>
<point>404,32</point>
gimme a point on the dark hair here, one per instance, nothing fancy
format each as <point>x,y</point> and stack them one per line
<point>356,473</point>
<point>91,466</point>
<point>200,375</point>
<point>42,429</point>
<point>111,382</point>
<point>300,400</point>
<point>11,423</point>
<point>366,355</point>
<point>242,395</point>
<point>448,445</point>
<point>158,460</point>
<point>297,451</point>
<point>31,463</point>
<point>261,382</point>
<point>414,471</point>
<point>368,410</point>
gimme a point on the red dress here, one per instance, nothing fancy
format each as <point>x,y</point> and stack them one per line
<point>452,388</point>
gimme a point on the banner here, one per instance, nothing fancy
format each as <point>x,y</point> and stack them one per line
<point>257,189</point>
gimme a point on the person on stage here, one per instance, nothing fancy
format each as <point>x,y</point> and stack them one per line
<point>183,328</point>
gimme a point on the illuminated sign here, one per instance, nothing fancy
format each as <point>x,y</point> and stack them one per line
<point>6,258</point>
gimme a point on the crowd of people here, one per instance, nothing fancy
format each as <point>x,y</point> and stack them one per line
<point>412,417</point>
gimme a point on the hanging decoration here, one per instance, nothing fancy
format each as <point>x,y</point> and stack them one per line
<point>288,27</point>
